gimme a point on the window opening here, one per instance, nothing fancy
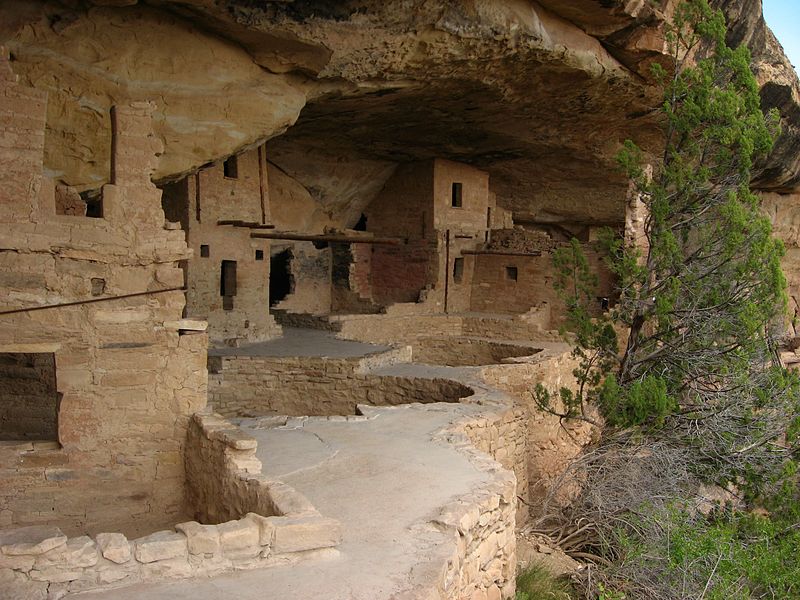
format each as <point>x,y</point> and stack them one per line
<point>230,168</point>
<point>204,251</point>
<point>259,255</point>
<point>227,283</point>
<point>98,286</point>
<point>458,270</point>
<point>94,203</point>
<point>456,195</point>
<point>281,280</point>
<point>29,400</point>
<point>512,273</point>
<point>175,202</point>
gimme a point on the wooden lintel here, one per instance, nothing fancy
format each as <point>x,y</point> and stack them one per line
<point>246,224</point>
<point>342,239</point>
<point>502,252</point>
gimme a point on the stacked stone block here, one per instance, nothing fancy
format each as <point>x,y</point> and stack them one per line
<point>265,523</point>
<point>127,378</point>
<point>262,385</point>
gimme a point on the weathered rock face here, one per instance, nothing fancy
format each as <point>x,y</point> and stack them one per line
<point>212,97</point>
<point>540,94</point>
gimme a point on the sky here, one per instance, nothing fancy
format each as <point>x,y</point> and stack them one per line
<point>783,17</point>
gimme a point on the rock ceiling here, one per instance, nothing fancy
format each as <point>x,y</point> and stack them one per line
<point>539,94</point>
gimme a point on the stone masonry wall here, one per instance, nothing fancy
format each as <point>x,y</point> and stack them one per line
<point>245,521</point>
<point>214,197</point>
<point>549,444</point>
<point>400,273</point>
<point>483,564</point>
<point>494,291</point>
<point>256,386</point>
<point>311,269</point>
<point>505,439</point>
<point>128,379</point>
<point>404,207</point>
<point>415,329</point>
<point>396,328</point>
<point>466,352</point>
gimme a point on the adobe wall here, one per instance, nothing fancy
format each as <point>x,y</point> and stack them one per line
<point>350,279</point>
<point>128,379</point>
<point>404,207</point>
<point>213,197</point>
<point>472,215</point>
<point>400,273</point>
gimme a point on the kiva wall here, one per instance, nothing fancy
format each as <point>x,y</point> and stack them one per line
<point>259,385</point>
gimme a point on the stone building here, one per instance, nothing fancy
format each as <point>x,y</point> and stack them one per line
<point>96,395</point>
<point>227,279</point>
<point>419,169</point>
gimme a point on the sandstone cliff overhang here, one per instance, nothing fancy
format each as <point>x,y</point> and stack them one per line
<point>540,94</point>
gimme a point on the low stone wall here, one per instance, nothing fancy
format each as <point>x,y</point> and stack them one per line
<point>463,351</point>
<point>484,562</point>
<point>309,386</point>
<point>396,329</point>
<point>527,327</point>
<point>504,437</point>
<point>409,323</point>
<point>480,561</point>
<point>255,523</point>
<point>549,444</point>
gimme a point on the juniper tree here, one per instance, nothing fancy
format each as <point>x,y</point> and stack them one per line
<point>703,304</point>
<point>702,310</point>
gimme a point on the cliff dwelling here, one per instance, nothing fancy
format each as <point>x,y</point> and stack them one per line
<point>278,283</point>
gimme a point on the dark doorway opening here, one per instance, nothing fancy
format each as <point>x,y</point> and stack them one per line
<point>281,280</point>
<point>361,225</point>
<point>29,399</point>
<point>227,283</point>
<point>175,202</point>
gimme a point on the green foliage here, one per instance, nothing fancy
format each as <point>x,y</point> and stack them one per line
<point>704,298</point>
<point>726,556</point>
<point>595,340</point>
<point>641,402</point>
<point>606,594</point>
<point>536,583</point>
<point>702,303</point>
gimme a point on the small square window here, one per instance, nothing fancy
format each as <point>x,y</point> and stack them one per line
<point>456,195</point>
<point>512,273</point>
<point>230,168</point>
<point>98,286</point>
<point>458,270</point>
<point>204,251</point>
<point>259,255</point>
